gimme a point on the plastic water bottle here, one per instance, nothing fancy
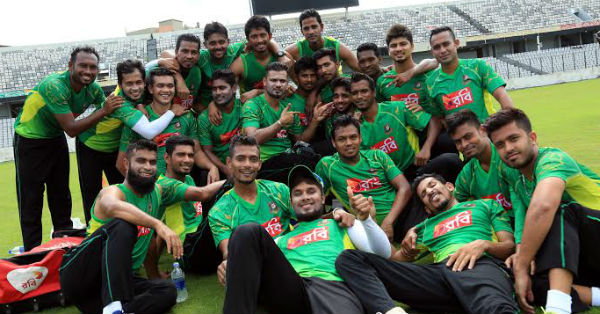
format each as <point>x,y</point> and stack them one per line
<point>16,250</point>
<point>179,280</point>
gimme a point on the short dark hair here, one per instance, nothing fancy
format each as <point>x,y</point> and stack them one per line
<point>214,28</point>
<point>397,31</point>
<point>158,72</point>
<point>129,66</point>
<point>242,140</point>
<point>357,77</point>
<point>420,179</point>
<point>141,144</point>
<point>308,14</point>
<point>225,75</point>
<point>342,121</point>
<point>85,49</point>
<point>255,22</point>
<point>187,37</point>
<point>442,29</point>
<point>325,52</point>
<point>175,141</point>
<point>340,82</point>
<point>304,63</point>
<point>454,120</point>
<point>506,116</point>
<point>366,47</point>
<point>276,66</point>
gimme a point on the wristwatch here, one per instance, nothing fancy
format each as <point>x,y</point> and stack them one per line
<point>280,53</point>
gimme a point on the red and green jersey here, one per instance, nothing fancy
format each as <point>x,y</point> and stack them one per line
<point>313,246</point>
<point>304,49</point>
<point>582,185</point>
<point>413,91</point>
<point>106,134</point>
<point>208,67</point>
<point>393,132</point>
<point>371,176</point>
<point>54,95</point>
<point>475,183</point>
<point>218,136</point>
<point>165,192</point>
<point>182,217</point>
<point>258,113</point>
<point>446,232</point>
<point>182,125</point>
<point>253,72</point>
<point>298,104</point>
<point>193,80</point>
<point>470,87</point>
<point>271,209</point>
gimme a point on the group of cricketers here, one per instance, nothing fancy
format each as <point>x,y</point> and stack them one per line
<point>308,190</point>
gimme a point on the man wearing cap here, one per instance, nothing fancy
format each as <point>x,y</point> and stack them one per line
<point>295,273</point>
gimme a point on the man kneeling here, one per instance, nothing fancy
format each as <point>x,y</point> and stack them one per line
<point>295,273</point>
<point>468,274</point>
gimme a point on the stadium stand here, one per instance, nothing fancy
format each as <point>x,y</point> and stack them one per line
<point>560,59</point>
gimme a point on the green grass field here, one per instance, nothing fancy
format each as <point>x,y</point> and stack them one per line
<point>565,116</point>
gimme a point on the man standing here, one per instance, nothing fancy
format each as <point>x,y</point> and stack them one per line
<point>327,65</point>
<point>462,83</point>
<point>295,273</point>
<point>467,275</point>
<point>40,146</point>
<point>556,202</point>
<point>98,275</point>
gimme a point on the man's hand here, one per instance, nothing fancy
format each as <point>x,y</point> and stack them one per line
<point>344,219</point>
<point>287,117</point>
<point>413,106</point>
<point>214,114</point>
<point>182,91</point>
<point>141,108</point>
<point>388,227</point>
<point>222,271</point>
<point>362,206</point>
<point>213,175</point>
<point>422,157</point>
<point>468,254</point>
<point>171,239</point>
<point>179,109</point>
<point>400,78</point>
<point>111,103</point>
<point>523,290</point>
<point>409,243</point>
<point>169,63</point>
<point>322,111</point>
<point>511,260</point>
<point>249,95</point>
<point>290,91</point>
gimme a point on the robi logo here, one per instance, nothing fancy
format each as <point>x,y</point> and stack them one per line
<point>412,98</point>
<point>198,208</point>
<point>161,139</point>
<point>457,99</point>
<point>358,185</point>
<point>225,138</point>
<point>281,134</point>
<point>142,231</point>
<point>187,103</point>
<point>27,279</point>
<point>303,119</point>
<point>501,199</point>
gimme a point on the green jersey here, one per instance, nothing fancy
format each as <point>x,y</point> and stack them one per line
<point>298,104</point>
<point>218,136</point>
<point>371,176</point>
<point>258,113</point>
<point>182,125</point>
<point>182,217</point>
<point>470,87</point>
<point>208,67</point>
<point>253,72</point>
<point>165,192</point>
<point>193,80</point>
<point>313,246</point>
<point>582,185</point>
<point>413,91</point>
<point>304,49</point>
<point>475,183</point>
<point>446,232</point>
<point>54,95</point>
<point>326,93</point>
<point>105,135</point>
<point>271,209</point>
<point>393,132</point>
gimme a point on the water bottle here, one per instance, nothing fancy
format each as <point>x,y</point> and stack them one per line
<point>179,280</point>
<point>16,250</point>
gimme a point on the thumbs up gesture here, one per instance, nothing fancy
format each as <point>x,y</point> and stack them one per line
<point>287,117</point>
<point>362,206</point>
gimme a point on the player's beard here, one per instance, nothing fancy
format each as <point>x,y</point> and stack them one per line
<point>313,215</point>
<point>142,185</point>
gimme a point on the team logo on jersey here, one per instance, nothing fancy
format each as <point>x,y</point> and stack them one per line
<point>314,235</point>
<point>303,119</point>
<point>358,185</point>
<point>282,133</point>
<point>225,138</point>
<point>466,79</point>
<point>412,98</point>
<point>418,86</point>
<point>142,231</point>
<point>161,139</point>
<point>387,146</point>
<point>273,208</point>
<point>501,199</point>
<point>387,129</point>
<point>458,98</point>
<point>273,226</point>
<point>177,125</point>
<point>372,171</point>
<point>457,221</point>
<point>198,208</point>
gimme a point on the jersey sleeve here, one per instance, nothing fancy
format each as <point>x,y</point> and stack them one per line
<point>172,191</point>
<point>490,79</point>
<point>237,48</point>
<point>391,171</point>
<point>435,108</point>
<point>192,126</point>
<point>556,164</point>
<point>151,66</point>
<point>417,120</point>
<point>519,210</point>
<point>321,171</point>
<point>251,115</point>
<point>127,114</point>
<point>99,96</point>
<point>284,194</point>
<point>203,130</point>
<point>127,136</point>
<point>499,217</point>
<point>379,87</point>
<point>220,220</point>
<point>461,187</point>
<point>56,95</point>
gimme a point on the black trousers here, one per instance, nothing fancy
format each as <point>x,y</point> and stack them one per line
<point>200,255</point>
<point>572,244</point>
<point>448,165</point>
<point>42,163</point>
<point>98,272</point>
<point>259,273</point>
<point>277,167</point>
<point>487,288</point>
<point>91,163</point>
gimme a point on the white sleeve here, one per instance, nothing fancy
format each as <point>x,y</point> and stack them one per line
<point>148,129</point>
<point>369,237</point>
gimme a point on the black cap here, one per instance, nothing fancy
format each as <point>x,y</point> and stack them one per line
<point>302,171</point>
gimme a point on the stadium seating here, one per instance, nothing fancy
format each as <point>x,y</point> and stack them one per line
<point>560,59</point>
